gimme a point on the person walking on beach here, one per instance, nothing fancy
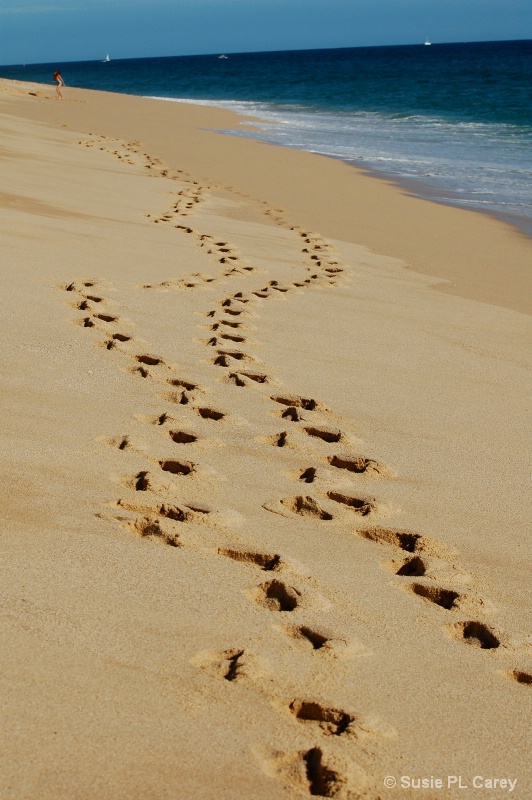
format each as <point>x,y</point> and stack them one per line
<point>60,82</point>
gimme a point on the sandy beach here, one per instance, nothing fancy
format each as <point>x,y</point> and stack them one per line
<point>266,455</point>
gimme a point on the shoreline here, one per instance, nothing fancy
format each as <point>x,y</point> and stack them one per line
<point>412,186</point>
<point>419,192</point>
<point>265,526</point>
<point>420,233</point>
<point>422,191</point>
<point>470,269</point>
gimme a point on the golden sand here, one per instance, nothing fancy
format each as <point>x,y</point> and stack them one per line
<point>264,453</point>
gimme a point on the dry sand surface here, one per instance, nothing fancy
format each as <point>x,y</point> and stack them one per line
<point>265,457</point>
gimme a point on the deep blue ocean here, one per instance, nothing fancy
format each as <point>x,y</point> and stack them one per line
<point>452,121</point>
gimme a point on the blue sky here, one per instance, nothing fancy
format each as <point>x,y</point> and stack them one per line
<point>33,31</point>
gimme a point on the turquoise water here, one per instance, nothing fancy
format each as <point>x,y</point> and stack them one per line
<point>452,121</point>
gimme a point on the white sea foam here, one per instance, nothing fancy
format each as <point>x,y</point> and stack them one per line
<point>480,165</point>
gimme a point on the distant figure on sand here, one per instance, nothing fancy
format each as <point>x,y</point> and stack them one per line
<point>60,82</point>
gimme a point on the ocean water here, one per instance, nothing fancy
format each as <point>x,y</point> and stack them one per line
<point>451,121</point>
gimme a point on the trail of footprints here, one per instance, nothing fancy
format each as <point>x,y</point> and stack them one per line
<point>421,566</point>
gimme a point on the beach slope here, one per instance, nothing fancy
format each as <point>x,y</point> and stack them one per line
<point>264,449</point>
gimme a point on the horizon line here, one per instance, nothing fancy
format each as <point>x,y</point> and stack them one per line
<point>259,52</point>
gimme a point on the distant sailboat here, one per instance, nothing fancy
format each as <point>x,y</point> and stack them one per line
<point>222,56</point>
<point>427,41</point>
<point>106,59</point>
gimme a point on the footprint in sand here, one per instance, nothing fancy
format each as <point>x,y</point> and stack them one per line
<point>187,385</point>
<point>329,435</point>
<point>291,413</point>
<point>308,475</point>
<point>141,372</point>
<point>177,467</point>
<point>146,481</point>
<point>186,512</point>
<point>235,664</point>
<point>427,558</point>
<point>183,437</point>
<point>277,596</point>
<point>405,540</point>
<point>306,403</point>
<point>517,675</point>
<point>268,562</point>
<point>475,634</point>
<point>243,378</point>
<point>151,361</point>
<point>358,464</point>
<point>232,338</point>
<point>151,528</point>
<point>445,598</point>
<point>106,317</point>
<point>448,599</point>
<point>209,413</point>
<point>322,642</point>
<point>121,442</point>
<point>317,772</point>
<point>277,440</point>
<point>360,505</point>
<point>332,721</point>
<point>229,324</point>
<point>185,394</point>
<point>225,358</point>
<point>303,506</point>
